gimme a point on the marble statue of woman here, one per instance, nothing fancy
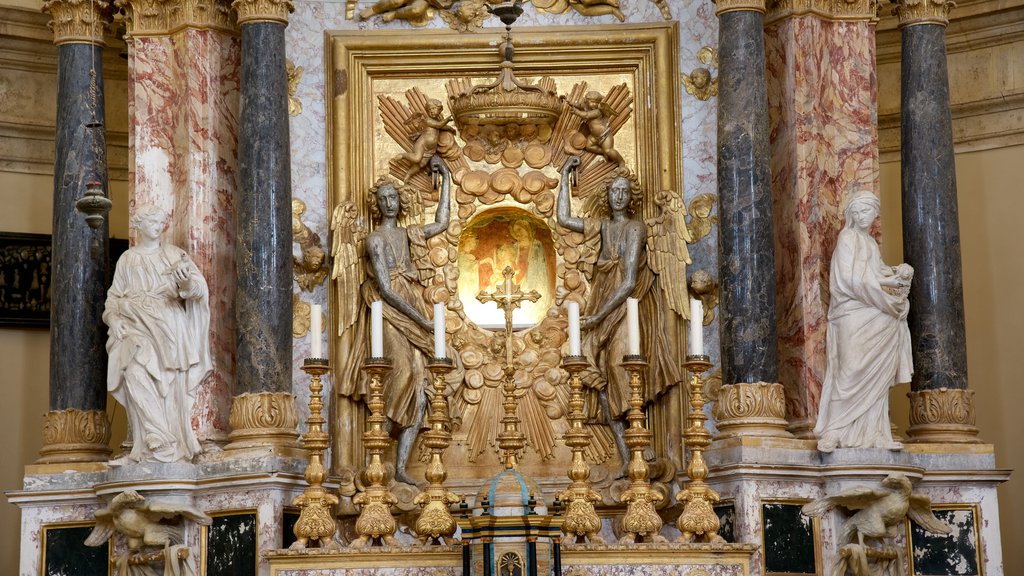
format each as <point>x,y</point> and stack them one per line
<point>868,341</point>
<point>158,315</point>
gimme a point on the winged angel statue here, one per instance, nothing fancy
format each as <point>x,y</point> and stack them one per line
<point>510,165</point>
<point>145,524</point>
<point>879,512</point>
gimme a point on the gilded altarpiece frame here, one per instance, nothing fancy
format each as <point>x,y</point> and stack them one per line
<point>366,68</point>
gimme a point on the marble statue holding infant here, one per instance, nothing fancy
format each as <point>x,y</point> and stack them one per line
<point>868,341</point>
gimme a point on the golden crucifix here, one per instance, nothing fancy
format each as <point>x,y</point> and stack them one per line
<point>508,297</point>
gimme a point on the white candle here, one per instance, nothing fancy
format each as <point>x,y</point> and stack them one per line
<point>377,329</point>
<point>439,351</point>
<point>633,327</point>
<point>315,330</point>
<point>696,327</point>
<point>574,327</point>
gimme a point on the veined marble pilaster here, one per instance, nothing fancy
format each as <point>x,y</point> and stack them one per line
<point>183,106</point>
<point>822,94</point>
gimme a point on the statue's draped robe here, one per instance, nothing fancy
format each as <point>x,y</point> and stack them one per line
<point>868,345</point>
<point>406,343</point>
<point>606,342</point>
<point>155,369</point>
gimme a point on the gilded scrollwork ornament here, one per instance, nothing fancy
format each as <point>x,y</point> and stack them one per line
<point>74,435</point>
<point>294,76</point>
<point>942,415</point>
<point>751,409</point>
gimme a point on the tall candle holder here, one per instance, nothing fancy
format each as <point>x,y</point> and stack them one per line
<point>436,523</point>
<point>316,521</point>
<point>375,523</point>
<point>698,518</point>
<point>581,520</point>
<point>641,520</point>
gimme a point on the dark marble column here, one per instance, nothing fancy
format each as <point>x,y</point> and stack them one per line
<point>263,297</point>
<point>263,409</point>
<point>941,406</point>
<point>746,245</point>
<point>75,428</point>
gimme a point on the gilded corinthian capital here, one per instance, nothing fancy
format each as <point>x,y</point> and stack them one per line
<point>78,21</point>
<point>263,10</point>
<point>911,12</point>
<point>162,17</point>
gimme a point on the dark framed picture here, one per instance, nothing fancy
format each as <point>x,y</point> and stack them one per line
<point>958,553</point>
<point>26,267</point>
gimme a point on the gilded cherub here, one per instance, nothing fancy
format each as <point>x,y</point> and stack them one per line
<point>425,145</point>
<point>597,114</point>
<point>466,15</point>
<point>597,8</point>
<point>415,12</point>
<point>700,84</point>
<point>879,512</point>
<point>144,524</point>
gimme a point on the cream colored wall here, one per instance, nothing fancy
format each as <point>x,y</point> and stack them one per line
<point>991,205</point>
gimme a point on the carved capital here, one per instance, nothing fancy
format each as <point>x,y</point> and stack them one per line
<point>911,12</point>
<point>74,435</point>
<point>78,21</point>
<point>866,10</point>
<point>757,409</point>
<point>162,17</point>
<point>943,415</point>
<point>263,420</point>
<point>723,6</point>
<point>263,10</point>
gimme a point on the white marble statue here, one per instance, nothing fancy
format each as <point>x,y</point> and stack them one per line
<point>158,315</point>
<point>868,341</point>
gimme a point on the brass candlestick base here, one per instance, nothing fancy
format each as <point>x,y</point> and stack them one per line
<point>641,521</point>
<point>375,522</point>
<point>436,523</point>
<point>581,520</point>
<point>698,519</point>
<point>316,521</point>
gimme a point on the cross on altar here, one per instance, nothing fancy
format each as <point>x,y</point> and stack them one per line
<point>508,297</point>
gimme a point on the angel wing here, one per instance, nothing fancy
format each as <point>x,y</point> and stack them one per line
<point>853,499</point>
<point>103,530</point>
<point>666,250</point>
<point>347,250</point>
<point>175,509</point>
<point>920,511</point>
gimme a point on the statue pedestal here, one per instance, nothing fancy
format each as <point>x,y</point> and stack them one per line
<point>764,482</point>
<point>246,498</point>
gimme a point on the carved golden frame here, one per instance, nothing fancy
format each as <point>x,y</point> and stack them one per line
<point>646,54</point>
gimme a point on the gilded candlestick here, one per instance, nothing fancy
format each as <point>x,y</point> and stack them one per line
<point>641,521</point>
<point>316,521</point>
<point>581,520</point>
<point>698,519</point>
<point>436,523</point>
<point>375,522</point>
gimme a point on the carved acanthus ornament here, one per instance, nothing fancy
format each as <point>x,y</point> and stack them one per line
<point>942,415</point>
<point>912,12</point>
<point>264,419</point>
<point>74,435</point>
<point>866,10</point>
<point>78,21</point>
<point>294,104</point>
<point>263,10</point>
<point>723,6</point>
<point>162,17</point>
<point>751,409</point>
<point>311,268</point>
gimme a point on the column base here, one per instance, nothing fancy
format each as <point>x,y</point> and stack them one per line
<point>74,435</point>
<point>264,421</point>
<point>751,409</point>
<point>943,415</point>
